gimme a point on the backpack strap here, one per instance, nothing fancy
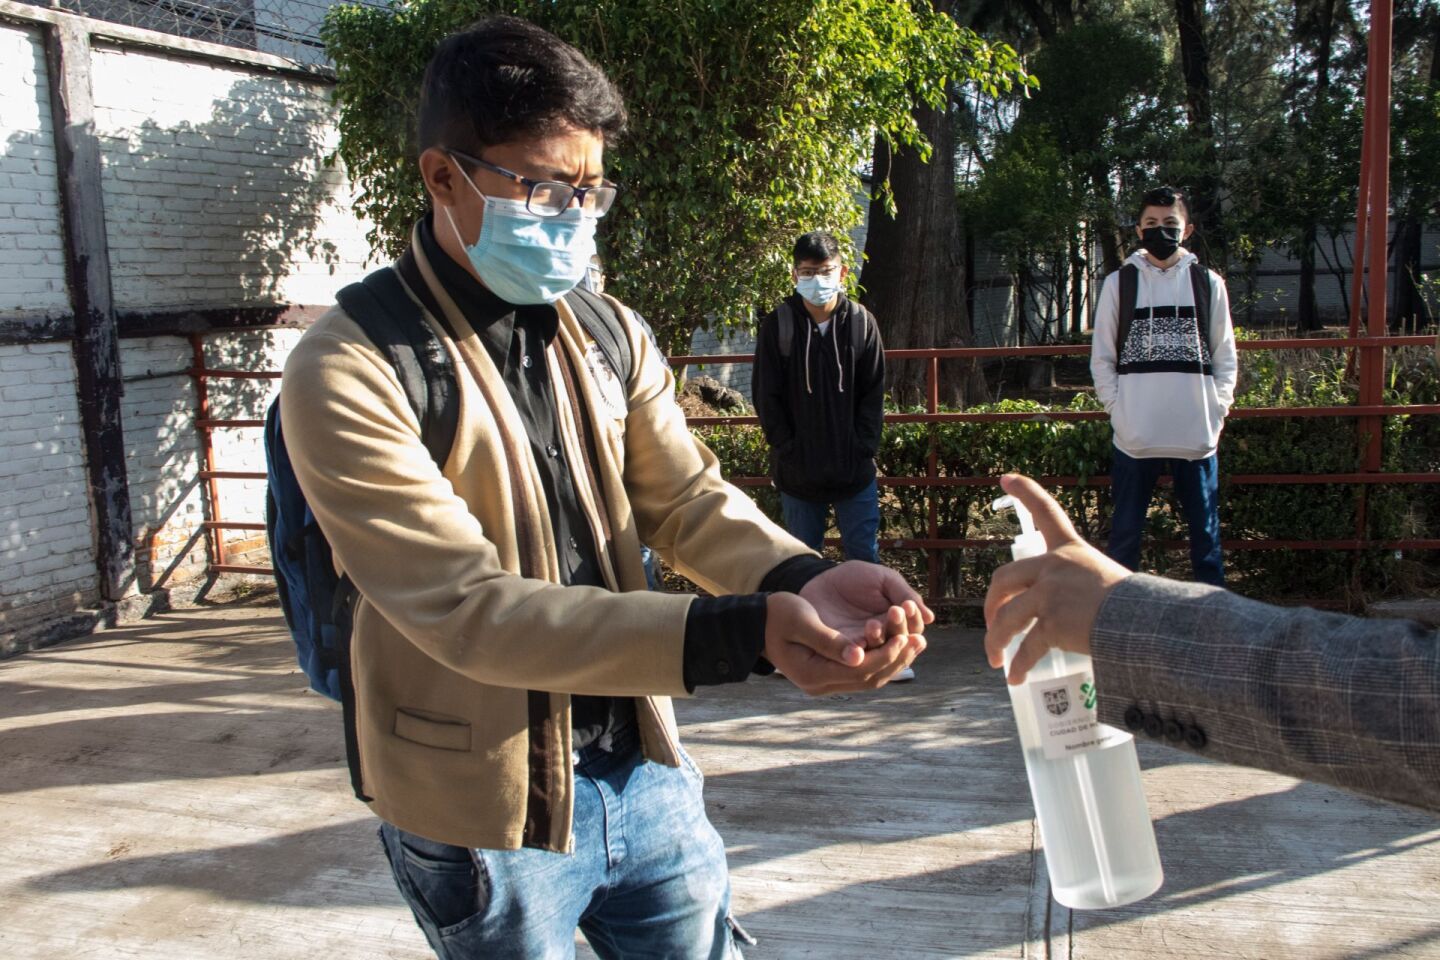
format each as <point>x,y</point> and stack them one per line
<point>602,316</point>
<point>861,321</point>
<point>1200,286</point>
<point>1129,293</point>
<point>396,324</point>
<point>785,328</point>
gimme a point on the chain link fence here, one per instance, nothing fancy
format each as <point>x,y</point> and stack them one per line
<point>286,28</point>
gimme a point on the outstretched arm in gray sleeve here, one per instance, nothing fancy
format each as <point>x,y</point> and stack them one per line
<point>1341,700</point>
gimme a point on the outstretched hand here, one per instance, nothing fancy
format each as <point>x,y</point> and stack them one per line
<point>1059,592</point>
<point>819,659</point>
<point>858,599</point>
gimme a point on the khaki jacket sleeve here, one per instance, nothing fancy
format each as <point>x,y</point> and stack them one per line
<point>421,559</point>
<point>704,527</point>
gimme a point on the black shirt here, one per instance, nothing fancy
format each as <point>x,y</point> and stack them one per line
<point>724,636</point>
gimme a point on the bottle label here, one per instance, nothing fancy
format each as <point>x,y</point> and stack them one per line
<point>1065,714</point>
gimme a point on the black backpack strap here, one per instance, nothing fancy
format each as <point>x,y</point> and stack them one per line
<point>1200,285</point>
<point>396,324</point>
<point>600,316</point>
<point>785,328</point>
<point>861,321</point>
<point>1129,293</point>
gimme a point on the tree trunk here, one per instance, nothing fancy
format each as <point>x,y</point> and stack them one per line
<point>1411,310</point>
<point>1308,315</point>
<point>914,276</point>
<point>1111,254</point>
<point>1205,186</point>
<point>1077,286</point>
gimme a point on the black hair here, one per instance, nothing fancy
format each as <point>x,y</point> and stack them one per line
<point>504,79</point>
<point>816,245</point>
<point>1163,197</point>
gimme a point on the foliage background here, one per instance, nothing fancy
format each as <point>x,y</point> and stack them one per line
<point>750,122</point>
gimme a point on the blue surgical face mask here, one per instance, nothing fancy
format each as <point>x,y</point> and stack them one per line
<point>524,258</point>
<point>819,289</point>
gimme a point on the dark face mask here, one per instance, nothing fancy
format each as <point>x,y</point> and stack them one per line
<point>1160,242</point>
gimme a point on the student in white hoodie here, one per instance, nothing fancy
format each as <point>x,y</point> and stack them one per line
<point>1167,378</point>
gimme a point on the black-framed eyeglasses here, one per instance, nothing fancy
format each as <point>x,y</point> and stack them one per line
<point>550,198</point>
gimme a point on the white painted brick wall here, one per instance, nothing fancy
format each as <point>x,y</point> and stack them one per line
<point>46,538</point>
<point>216,193</point>
<point>32,268</point>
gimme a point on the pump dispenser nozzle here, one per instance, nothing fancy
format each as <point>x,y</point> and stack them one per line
<point>1031,542</point>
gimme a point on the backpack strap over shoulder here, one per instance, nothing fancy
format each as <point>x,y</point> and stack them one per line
<point>1200,287</point>
<point>785,328</point>
<point>602,317</point>
<point>396,324</point>
<point>1129,293</point>
<point>862,321</point>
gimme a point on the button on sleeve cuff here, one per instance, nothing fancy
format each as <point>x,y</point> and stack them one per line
<point>724,637</point>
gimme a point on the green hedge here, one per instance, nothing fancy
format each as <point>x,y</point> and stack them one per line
<point>1252,512</point>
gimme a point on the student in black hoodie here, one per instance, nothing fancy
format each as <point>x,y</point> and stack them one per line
<point>819,388</point>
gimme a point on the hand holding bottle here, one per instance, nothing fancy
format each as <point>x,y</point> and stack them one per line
<point>1084,775</point>
<point>1061,590</point>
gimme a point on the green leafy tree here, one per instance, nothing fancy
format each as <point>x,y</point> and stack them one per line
<point>1106,109</point>
<point>749,122</point>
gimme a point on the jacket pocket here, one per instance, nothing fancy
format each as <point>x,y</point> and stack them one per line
<point>432,729</point>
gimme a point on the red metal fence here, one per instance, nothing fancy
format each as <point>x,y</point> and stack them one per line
<point>1368,415</point>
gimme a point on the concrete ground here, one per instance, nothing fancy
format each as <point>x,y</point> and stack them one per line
<point>171,790</point>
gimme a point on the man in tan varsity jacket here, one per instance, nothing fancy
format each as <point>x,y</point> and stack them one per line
<point>511,673</point>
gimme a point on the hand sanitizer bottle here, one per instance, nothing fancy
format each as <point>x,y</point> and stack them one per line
<point>1084,775</point>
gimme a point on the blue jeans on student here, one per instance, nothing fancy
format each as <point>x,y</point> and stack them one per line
<point>647,878</point>
<point>647,560</point>
<point>1197,484</point>
<point>858,518</point>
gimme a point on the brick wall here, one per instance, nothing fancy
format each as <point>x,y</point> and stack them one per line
<point>47,565</point>
<point>32,270</point>
<point>216,197</point>
<point>216,192</point>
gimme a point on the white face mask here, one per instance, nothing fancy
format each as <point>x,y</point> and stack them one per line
<point>819,289</point>
<point>525,258</point>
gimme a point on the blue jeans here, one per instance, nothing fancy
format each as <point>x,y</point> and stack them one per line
<point>858,518</point>
<point>1197,484</point>
<point>647,560</point>
<point>647,878</point>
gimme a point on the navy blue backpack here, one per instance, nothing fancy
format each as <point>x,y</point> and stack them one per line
<point>318,603</point>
